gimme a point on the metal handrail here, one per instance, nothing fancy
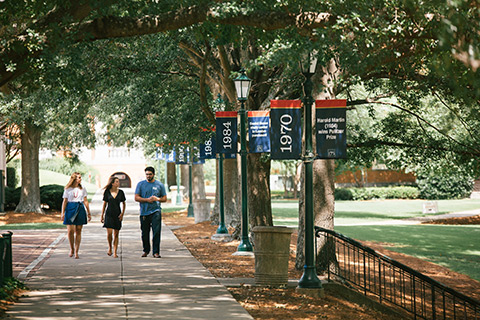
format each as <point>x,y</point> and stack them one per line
<point>409,282</point>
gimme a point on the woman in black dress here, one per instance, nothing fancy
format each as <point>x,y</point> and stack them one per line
<point>113,215</point>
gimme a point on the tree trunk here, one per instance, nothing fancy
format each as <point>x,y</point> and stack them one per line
<point>171,174</point>
<point>184,178</point>
<point>231,195</point>
<point>259,197</point>
<point>30,191</point>
<point>324,200</point>
<point>324,208</point>
<point>198,182</point>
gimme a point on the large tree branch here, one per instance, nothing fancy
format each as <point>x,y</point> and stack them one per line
<point>117,27</point>
<point>203,88</point>
<point>376,142</point>
<point>420,120</point>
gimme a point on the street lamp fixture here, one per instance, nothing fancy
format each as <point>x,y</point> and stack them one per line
<point>309,278</point>
<point>242,86</point>
<point>309,63</point>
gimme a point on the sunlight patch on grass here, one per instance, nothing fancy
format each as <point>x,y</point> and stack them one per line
<point>32,226</point>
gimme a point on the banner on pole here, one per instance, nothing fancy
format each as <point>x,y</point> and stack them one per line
<point>286,129</point>
<point>196,156</point>
<point>159,155</point>
<point>181,154</point>
<point>226,132</point>
<point>259,131</point>
<point>170,157</point>
<point>208,149</point>
<point>331,129</point>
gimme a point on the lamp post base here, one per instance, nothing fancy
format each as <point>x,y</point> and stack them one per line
<point>311,292</point>
<point>245,246</point>
<point>222,229</point>
<point>190,210</point>
<point>309,279</point>
<point>244,253</point>
<point>222,237</point>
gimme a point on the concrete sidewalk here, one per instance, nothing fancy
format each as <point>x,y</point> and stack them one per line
<point>98,286</point>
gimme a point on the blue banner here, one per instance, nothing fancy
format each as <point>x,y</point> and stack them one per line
<point>286,129</point>
<point>181,155</point>
<point>230,156</point>
<point>331,129</point>
<point>208,149</point>
<point>259,131</point>
<point>159,155</point>
<point>170,157</point>
<point>226,132</point>
<point>196,156</point>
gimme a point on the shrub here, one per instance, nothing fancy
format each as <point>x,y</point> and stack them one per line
<point>12,197</point>
<point>455,186</point>
<point>343,194</point>
<point>11,177</point>
<point>376,193</point>
<point>51,195</point>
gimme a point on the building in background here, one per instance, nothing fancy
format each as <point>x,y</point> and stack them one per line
<point>125,163</point>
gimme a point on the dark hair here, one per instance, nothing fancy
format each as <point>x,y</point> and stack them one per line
<point>111,180</point>
<point>151,169</point>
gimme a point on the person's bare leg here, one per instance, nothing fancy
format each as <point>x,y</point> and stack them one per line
<point>71,237</point>
<point>115,243</point>
<point>109,240</point>
<point>78,239</point>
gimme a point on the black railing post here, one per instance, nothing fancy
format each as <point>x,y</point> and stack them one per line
<point>8,263</point>
<point>364,274</point>
<point>380,279</point>
<point>2,260</point>
<point>407,286</point>
<point>414,297</point>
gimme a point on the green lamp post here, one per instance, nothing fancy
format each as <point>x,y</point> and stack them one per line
<point>242,86</point>
<point>179,196</point>
<point>222,229</point>
<point>309,278</point>
<point>190,187</point>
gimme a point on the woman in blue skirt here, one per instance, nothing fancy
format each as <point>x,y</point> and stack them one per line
<point>75,211</point>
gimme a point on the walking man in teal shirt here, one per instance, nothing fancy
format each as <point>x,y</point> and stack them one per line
<point>149,193</point>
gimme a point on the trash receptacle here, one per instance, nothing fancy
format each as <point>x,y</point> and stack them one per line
<point>272,251</point>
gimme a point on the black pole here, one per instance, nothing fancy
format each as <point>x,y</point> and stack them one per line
<point>309,278</point>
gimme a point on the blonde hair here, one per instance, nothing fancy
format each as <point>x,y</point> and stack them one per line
<point>111,180</point>
<point>73,179</point>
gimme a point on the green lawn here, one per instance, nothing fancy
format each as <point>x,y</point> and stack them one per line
<point>455,247</point>
<point>32,226</point>
<point>50,177</point>
<point>172,209</point>
<point>285,212</point>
